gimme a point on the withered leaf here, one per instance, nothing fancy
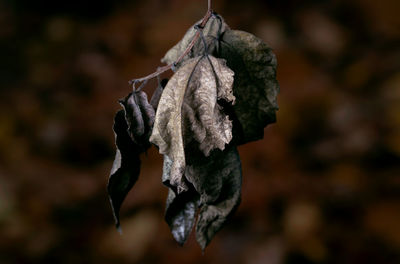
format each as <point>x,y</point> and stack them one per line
<point>132,127</point>
<point>180,208</point>
<point>218,180</point>
<point>255,86</point>
<point>180,213</point>
<point>214,186</point>
<point>254,64</point>
<point>198,126</point>
<point>188,111</point>
<point>155,98</point>
<point>139,115</point>
<point>214,27</point>
<point>126,166</point>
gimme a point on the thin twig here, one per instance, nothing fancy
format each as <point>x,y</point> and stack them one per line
<point>163,69</point>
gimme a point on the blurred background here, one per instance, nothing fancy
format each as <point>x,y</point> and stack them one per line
<point>322,187</point>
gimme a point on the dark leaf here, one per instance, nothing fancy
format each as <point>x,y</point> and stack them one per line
<point>180,208</point>
<point>214,185</point>
<point>218,180</point>
<point>255,86</point>
<point>126,166</point>
<point>132,128</point>
<point>155,99</point>
<point>139,115</point>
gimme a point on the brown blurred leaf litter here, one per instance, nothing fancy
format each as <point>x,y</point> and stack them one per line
<point>222,94</point>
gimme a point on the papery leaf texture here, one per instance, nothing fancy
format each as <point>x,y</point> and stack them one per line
<point>132,127</point>
<point>180,208</point>
<point>255,86</point>
<point>214,187</point>
<point>155,98</point>
<point>126,166</point>
<point>254,64</point>
<point>139,115</point>
<point>188,111</point>
<point>214,27</point>
<point>218,179</point>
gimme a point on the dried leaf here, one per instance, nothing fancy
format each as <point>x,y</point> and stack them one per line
<point>214,186</point>
<point>180,208</point>
<point>132,128</point>
<point>126,166</point>
<point>218,180</point>
<point>180,214</point>
<point>139,115</point>
<point>255,86</point>
<point>188,111</point>
<point>214,27</point>
<point>254,64</point>
<point>155,99</point>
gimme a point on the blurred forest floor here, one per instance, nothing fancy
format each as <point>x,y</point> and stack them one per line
<point>322,187</point>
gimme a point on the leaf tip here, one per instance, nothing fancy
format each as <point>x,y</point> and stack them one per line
<point>119,229</point>
<point>203,245</point>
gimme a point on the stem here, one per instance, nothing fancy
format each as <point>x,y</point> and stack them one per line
<point>163,69</point>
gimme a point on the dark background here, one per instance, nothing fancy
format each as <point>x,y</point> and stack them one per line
<point>322,187</point>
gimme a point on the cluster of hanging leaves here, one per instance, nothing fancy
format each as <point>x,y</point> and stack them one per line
<point>222,95</point>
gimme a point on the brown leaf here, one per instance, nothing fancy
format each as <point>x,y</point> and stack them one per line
<point>255,86</point>
<point>188,111</point>
<point>254,64</point>
<point>155,98</point>
<point>126,166</point>
<point>139,115</point>
<point>214,27</point>
<point>132,128</point>
<point>218,180</point>
<point>180,208</point>
<point>214,186</point>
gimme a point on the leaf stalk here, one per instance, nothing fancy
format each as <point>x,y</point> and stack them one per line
<point>163,69</point>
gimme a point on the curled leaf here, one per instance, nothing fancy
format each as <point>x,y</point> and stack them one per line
<point>188,111</point>
<point>126,166</point>
<point>139,115</point>
<point>254,64</point>
<point>218,180</point>
<point>155,99</point>
<point>255,86</point>
<point>214,27</point>
<point>132,127</point>
<point>214,186</point>
<point>180,208</point>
